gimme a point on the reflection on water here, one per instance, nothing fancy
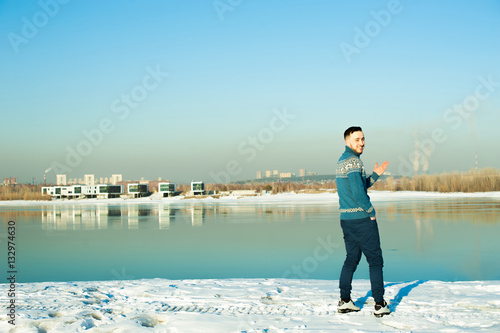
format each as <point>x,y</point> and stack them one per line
<point>475,210</point>
<point>421,239</point>
<point>163,216</point>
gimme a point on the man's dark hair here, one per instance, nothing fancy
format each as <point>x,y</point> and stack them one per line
<point>351,130</point>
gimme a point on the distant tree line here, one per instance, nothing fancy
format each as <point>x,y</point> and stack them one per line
<point>482,180</point>
<point>22,192</point>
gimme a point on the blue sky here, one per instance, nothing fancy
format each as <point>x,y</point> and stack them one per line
<point>193,90</point>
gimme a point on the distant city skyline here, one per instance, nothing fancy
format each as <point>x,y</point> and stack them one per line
<point>283,174</point>
<point>195,91</point>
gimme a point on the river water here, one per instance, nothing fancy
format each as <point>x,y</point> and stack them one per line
<point>438,239</point>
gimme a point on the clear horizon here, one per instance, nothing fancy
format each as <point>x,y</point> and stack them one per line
<point>222,89</point>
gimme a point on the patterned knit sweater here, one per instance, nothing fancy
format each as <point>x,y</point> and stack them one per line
<point>352,186</point>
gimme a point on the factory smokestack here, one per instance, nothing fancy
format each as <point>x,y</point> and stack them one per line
<point>45,177</point>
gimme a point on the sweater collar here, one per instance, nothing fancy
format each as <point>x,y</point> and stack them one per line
<point>350,151</point>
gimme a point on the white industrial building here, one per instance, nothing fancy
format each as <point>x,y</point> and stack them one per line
<point>116,178</point>
<point>286,175</point>
<point>302,172</point>
<point>198,188</point>
<point>88,180</point>
<point>61,180</point>
<point>138,190</point>
<point>166,189</point>
<point>58,192</point>
<point>83,191</point>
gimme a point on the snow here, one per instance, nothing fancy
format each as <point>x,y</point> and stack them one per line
<point>302,198</point>
<point>249,305</point>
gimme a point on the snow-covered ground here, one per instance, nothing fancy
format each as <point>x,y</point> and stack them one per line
<point>249,305</point>
<point>326,197</point>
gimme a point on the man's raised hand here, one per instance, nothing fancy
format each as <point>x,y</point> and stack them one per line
<point>379,170</point>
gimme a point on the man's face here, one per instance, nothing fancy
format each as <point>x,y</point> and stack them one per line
<point>356,141</point>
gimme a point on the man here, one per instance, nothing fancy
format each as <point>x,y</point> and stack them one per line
<point>358,222</point>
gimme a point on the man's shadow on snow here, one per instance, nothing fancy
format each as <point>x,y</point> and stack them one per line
<point>393,303</point>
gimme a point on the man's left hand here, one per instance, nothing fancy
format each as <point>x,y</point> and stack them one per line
<point>379,170</point>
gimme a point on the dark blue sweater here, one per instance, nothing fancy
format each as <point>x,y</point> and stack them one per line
<point>352,186</point>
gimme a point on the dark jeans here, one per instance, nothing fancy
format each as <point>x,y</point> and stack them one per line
<point>361,236</point>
